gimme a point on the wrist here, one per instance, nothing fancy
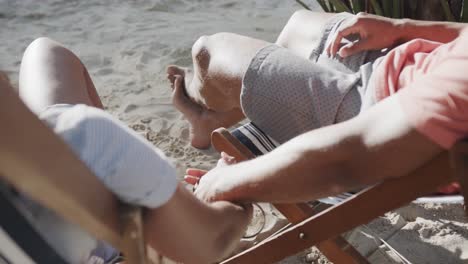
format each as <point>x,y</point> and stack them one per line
<point>232,187</point>
<point>403,30</point>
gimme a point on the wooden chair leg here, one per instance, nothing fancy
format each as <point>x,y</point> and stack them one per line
<point>459,159</point>
<point>372,202</point>
<point>132,234</point>
<point>337,250</point>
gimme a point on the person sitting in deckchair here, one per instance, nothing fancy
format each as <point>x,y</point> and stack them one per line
<point>55,85</point>
<point>347,112</point>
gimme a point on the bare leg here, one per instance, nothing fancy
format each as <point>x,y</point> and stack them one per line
<point>213,100</point>
<point>51,74</point>
<point>202,120</point>
<point>220,62</point>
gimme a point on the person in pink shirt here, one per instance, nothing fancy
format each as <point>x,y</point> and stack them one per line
<point>356,90</point>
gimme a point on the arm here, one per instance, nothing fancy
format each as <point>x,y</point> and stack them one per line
<point>431,30</point>
<point>191,231</point>
<point>376,32</point>
<point>376,145</point>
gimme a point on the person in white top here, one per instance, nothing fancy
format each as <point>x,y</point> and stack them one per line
<point>57,87</point>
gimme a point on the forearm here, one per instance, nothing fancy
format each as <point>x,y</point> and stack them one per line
<point>431,30</point>
<point>330,160</point>
<point>310,166</point>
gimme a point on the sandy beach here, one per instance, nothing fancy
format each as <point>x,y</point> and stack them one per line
<point>126,46</point>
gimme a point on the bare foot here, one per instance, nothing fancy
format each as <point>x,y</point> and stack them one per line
<point>202,121</point>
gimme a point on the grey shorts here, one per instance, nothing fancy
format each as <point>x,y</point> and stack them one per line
<point>287,95</point>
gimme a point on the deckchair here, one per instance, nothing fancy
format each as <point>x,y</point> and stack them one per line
<point>35,162</point>
<point>323,229</point>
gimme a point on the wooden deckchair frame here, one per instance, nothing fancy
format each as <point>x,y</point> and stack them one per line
<point>38,163</point>
<point>329,224</point>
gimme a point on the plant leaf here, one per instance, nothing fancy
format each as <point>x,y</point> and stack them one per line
<point>378,10</point>
<point>387,8</point>
<point>304,5</point>
<point>339,6</point>
<point>447,11</point>
<point>323,5</point>
<point>464,14</point>
<point>357,6</point>
<point>396,9</point>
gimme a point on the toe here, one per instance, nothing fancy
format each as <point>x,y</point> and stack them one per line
<point>181,100</point>
<point>179,87</point>
<point>171,79</point>
<point>175,70</point>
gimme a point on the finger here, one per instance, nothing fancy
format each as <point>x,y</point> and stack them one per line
<point>179,85</point>
<point>343,33</point>
<point>191,180</point>
<point>171,78</point>
<point>227,158</point>
<point>353,48</point>
<point>195,172</point>
<point>329,49</point>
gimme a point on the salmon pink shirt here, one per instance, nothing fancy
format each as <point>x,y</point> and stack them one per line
<point>431,79</point>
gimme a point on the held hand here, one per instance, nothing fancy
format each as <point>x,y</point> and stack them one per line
<point>211,186</point>
<point>374,32</point>
<point>192,176</point>
<point>205,181</point>
<point>208,188</point>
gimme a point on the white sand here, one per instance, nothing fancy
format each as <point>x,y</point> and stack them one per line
<point>126,46</point>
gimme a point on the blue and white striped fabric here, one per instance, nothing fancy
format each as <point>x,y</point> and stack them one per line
<point>254,139</point>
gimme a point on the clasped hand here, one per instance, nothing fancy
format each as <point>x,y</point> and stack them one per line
<point>210,185</point>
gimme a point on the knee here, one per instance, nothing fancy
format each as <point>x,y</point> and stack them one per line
<point>201,54</point>
<point>290,28</point>
<point>42,45</point>
<point>41,42</point>
<point>298,16</point>
<point>48,50</point>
